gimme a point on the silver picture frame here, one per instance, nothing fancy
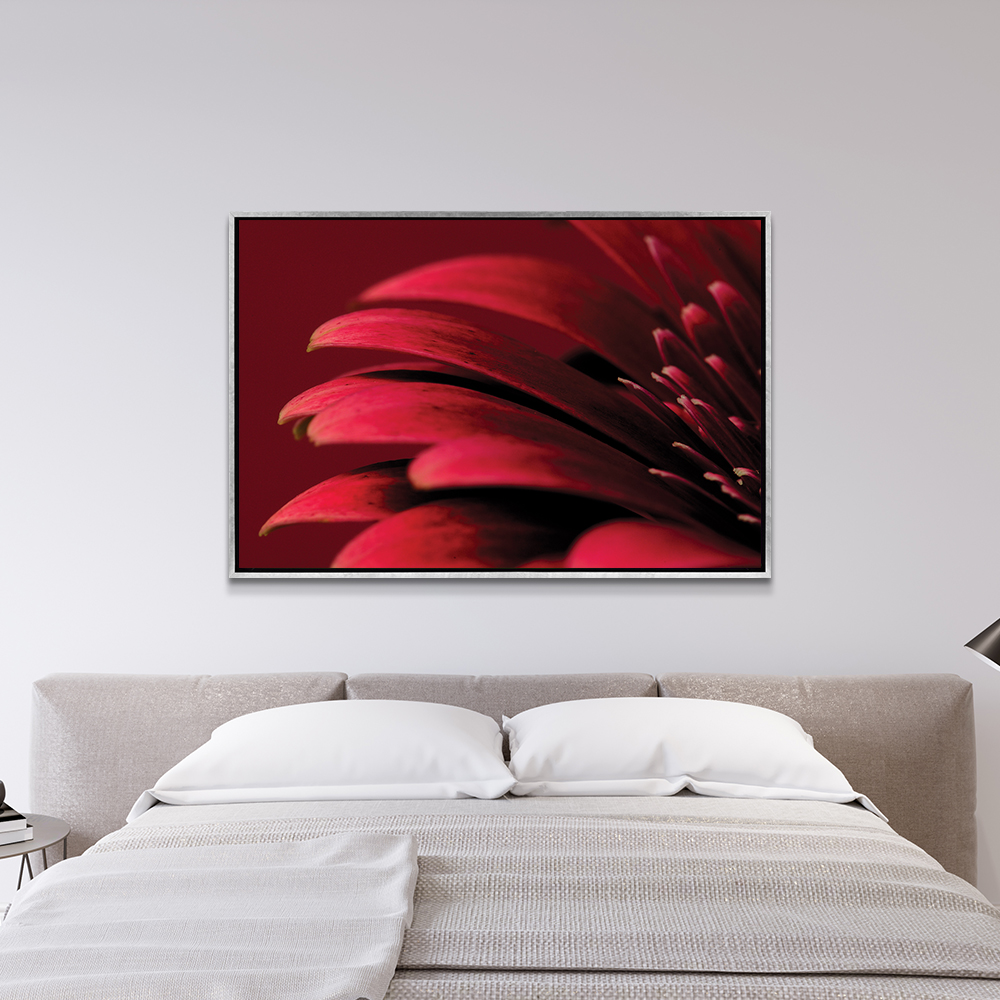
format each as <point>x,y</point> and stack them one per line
<point>244,568</point>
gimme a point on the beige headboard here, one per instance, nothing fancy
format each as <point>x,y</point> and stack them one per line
<point>99,740</point>
<point>906,741</point>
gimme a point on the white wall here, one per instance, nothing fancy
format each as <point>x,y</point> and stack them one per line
<point>131,129</point>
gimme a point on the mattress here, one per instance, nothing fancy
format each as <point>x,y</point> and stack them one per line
<point>683,896</point>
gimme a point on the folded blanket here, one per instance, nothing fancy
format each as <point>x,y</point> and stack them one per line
<point>316,919</point>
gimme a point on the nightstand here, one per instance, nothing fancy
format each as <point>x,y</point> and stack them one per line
<point>48,832</point>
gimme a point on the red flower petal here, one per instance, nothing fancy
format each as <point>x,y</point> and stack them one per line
<point>623,243</point>
<point>642,545</point>
<point>676,275</point>
<point>544,562</point>
<point>676,427</point>
<point>366,494</point>
<point>749,395</point>
<point>496,461</point>
<point>726,484</point>
<point>719,433</point>
<point>405,365</point>
<point>707,255</point>
<point>675,351</point>
<point>319,397</point>
<point>604,318</point>
<point>450,534</point>
<point>709,336</point>
<point>678,383</point>
<point>696,458</point>
<point>748,479</point>
<point>425,413</point>
<point>501,358</point>
<point>743,322</point>
<point>738,243</point>
<point>676,259</point>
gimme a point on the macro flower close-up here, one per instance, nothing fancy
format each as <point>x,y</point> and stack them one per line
<point>521,413</point>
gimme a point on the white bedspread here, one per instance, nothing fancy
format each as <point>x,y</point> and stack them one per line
<point>317,919</point>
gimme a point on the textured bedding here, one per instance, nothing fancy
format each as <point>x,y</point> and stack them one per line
<point>316,919</point>
<point>686,896</point>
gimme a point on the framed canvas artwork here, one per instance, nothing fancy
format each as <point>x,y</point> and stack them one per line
<point>500,396</point>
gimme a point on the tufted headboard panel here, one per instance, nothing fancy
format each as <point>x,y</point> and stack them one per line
<point>907,741</point>
<point>498,695</point>
<point>99,740</point>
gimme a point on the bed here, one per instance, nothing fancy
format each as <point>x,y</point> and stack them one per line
<point>613,896</point>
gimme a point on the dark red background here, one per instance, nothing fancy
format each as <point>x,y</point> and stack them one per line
<point>294,274</point>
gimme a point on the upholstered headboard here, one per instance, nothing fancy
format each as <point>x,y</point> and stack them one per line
<point>99,740</point>
<point>906,741</point>
<point>500,694</point>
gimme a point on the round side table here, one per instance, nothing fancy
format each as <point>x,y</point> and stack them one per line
<point>48,832</point>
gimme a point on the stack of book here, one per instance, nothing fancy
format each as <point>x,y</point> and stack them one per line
<point>14,828</point>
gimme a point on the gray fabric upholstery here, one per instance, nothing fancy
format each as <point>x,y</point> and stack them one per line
<point>99,740</point>
<point>500,695</point>
<point>907,741</point>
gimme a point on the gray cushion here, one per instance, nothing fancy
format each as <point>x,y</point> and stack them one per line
<point>500,695</point>
<point>907,741</point>
<point>99,740</point>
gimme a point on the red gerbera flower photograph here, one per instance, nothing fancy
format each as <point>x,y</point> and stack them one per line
<point>499,396</point>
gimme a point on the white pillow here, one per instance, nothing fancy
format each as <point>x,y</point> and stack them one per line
<point>658,746</point>
<point>359,749</point>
